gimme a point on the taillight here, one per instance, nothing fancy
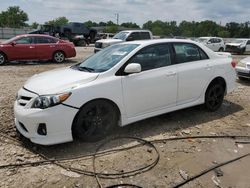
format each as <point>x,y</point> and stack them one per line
<point>234,63</point>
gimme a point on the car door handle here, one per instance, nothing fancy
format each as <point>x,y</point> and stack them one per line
<point>171,74</point>
<point>32,47</point>
<point>52,46</point>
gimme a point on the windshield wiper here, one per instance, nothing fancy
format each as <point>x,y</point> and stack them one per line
<point>85,69</point>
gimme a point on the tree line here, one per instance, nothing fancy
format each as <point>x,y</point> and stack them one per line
<point>14,17</point>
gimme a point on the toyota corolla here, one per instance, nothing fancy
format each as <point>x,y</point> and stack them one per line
<point>122,84</point>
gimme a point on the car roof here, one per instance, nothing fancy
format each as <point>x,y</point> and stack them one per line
<point>155,41</point>
<point>138,30</point>
<point>34,35</point>
<point>209,37</point>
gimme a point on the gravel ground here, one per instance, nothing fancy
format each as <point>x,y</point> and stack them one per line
<point>189,156</point>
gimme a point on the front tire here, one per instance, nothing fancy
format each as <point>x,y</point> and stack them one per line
<point>221,50</point>
<point>214,97</point>
<point>58,57</point>
<point>3,59</point>
<point>95,120</point>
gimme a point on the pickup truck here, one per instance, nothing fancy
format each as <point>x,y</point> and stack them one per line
<point>126,35</point>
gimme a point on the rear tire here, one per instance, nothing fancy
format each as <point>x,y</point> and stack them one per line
<point>3,59</point>
<point>214,97</point>
<point>81,43</point>
<point>58,57</point>
<point>95,120</point>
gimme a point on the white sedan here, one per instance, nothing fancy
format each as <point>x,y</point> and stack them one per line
<point>243,68</point>
<point>122,84</point>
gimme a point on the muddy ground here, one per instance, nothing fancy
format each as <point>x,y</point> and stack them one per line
<point>186,157</point>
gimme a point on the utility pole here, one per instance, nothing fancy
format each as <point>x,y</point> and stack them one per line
<point>117,18</point>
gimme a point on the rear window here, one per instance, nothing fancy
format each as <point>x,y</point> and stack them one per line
<point>186,52</point>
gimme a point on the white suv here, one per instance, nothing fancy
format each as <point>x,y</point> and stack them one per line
<point>127,35</point>
<point>119,85</point>
<point>214,43</point>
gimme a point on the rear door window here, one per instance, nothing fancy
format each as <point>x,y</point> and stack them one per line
<point>45,40</point>
<point>186,52</point>
<point>145,35</point>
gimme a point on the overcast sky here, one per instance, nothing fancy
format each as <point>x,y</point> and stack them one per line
<point>139,11</point>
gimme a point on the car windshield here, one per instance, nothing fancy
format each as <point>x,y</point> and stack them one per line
<point>202,39</point>
<point>238,41</point>
<point>106,59</point>
<point>121,35</point>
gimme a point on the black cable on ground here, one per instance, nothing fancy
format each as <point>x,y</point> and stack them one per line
<point>209,170</point>
<point>48,160</point>
<point>128,173</point>
<point>97,153</point>
<point>123,185</point>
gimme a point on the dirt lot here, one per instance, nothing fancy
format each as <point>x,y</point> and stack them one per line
<point>189,156</point>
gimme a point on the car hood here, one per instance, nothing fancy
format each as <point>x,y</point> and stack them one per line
<point>110,41</point>
<point>245,60</point>
<point>58,80</point>
<point>234,44</point>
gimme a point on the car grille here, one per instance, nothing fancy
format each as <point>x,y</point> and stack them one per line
<point>23,127</point>
<point>229,47</point>
<point>243,74</point>
<point>23,100</point>
<point>98,45</point>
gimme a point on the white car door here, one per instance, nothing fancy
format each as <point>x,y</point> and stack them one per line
<point>248,46</point>
<point>155,87</point>
<point>194,72</point>
<point>210,44</point>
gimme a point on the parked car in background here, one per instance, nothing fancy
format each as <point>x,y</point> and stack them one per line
<point>37,47</point>
<point>113,87</point>
<point>239,46</point>
<point>214,43</point>
<point>127,35</point>
<point>243,68</point>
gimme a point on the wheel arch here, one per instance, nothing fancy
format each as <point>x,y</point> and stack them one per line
<point>218,79</point>
<point>116,107</point>
<point>4,55</point>
<point>58,50</point>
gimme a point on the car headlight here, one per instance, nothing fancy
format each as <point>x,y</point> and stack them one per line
<point>248,66</point>
<point>241,46</point>
<point>46,101</point>
<point>104,45</point>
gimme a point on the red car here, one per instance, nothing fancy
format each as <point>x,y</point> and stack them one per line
<point>36,47</point>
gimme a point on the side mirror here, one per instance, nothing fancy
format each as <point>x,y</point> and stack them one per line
<point>132,68</point>
<point>13,43</point>
<point>209,42</point>
<point>130,38</point>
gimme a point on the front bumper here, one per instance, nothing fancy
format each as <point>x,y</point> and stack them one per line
<point>58,120</point>
<point>233,49</point>
<point>242,72</point>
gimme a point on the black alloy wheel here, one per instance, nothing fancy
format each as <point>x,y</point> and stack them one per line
<point>95,120</point>
<point>214,97</point>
